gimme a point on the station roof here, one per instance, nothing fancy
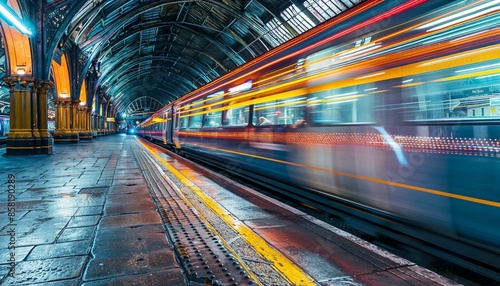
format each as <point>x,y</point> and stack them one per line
<point>152,52</point>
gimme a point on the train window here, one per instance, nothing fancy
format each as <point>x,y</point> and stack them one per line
<point>280,112</point>
<point>183,122</point>
<point>191,115</point>
<point>212,119</point>
<point>195,121</point>
<point>183,117</point>
<point>471,92</point>
<point>236,116</point>
<point>213,115</point>
<point>341,106</point>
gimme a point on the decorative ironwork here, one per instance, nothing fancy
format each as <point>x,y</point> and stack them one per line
<point>54,20</point>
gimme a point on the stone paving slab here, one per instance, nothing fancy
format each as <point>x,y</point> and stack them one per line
<point>82,216</point>
<point>124,251</point>
<point>160,278</point>
<point>47,270</point>
<point>78,233</point>
<point>63,249</point>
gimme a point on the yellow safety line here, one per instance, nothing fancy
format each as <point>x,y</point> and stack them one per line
<point>366,178</point>
<point>289,270</point>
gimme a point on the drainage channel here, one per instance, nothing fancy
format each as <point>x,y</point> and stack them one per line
<point>201,253</point>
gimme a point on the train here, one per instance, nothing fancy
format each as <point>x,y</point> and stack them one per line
<point>391,106</point>
<point>5,125</point>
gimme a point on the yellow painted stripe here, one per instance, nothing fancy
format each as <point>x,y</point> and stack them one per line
<point>366,178</point>
<point>21,148</point>
<point>289,270</point>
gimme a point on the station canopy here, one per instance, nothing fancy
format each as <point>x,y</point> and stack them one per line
<point>151,52</point>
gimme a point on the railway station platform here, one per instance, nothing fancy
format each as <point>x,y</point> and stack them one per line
<point>82,215</point>
<point>113,211</point>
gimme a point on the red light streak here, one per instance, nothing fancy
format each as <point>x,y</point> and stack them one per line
<point>392,12</point>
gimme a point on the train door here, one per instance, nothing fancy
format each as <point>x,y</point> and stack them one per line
<point>164,128</point>
<point>169,126</point>
<point>4,126</point>
<point>176,123</point>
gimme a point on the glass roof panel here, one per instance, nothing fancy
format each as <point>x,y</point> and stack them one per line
<point>326,9</point>
<point>297,19</point>
<point>277,31</point>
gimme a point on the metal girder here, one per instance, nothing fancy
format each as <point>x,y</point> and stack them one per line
<point>131,33</point>
<point>127,69</point>
<point>143,103</point>
<point>277,15</point>
<point>164,88</point>
<point>136,92</point>
<point>124,86</point>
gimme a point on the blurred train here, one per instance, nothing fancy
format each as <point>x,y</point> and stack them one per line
<point>5,125</point>
<point>392,106</point>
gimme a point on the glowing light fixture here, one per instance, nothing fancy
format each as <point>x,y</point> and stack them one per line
<point>20,71</point>
<point>11,18</point>
<point>63,94</point>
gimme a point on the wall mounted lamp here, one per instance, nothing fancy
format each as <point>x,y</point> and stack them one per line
<point>20,71</point>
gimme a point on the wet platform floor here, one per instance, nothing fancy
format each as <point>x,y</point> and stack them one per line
<point>81,216</point>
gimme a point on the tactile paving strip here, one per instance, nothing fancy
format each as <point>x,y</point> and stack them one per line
<point>201,253</point>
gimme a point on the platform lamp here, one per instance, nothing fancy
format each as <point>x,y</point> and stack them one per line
<point>11,18</point>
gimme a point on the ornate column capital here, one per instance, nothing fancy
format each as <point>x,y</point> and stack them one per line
<point>45,84</point>
<point>61,101</point>
<point>19,83</point>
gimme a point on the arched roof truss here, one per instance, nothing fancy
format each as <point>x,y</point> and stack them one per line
<point>178,46</point>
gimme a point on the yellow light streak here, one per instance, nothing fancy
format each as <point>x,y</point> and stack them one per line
<point>158,120</point>
<point>252,65</point>
<point>475,56</point>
